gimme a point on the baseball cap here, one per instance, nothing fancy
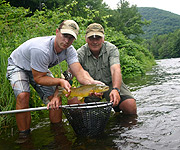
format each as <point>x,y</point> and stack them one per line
<point>94,29</point>
<point>70,27</point>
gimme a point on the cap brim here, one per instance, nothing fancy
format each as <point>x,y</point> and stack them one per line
<point>95,34</point>
<point>67,31</point>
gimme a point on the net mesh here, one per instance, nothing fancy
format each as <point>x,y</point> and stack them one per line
<point>88,119</point>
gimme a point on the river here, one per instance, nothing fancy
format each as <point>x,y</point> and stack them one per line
<point>156,127</point>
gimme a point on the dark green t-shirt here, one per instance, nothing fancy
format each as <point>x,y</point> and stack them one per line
<point>99,68</point>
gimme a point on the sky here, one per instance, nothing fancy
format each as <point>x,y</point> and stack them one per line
<point>168,5</point>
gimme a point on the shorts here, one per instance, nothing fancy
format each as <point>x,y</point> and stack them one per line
<point>123,98</point>
<point>20,80</point>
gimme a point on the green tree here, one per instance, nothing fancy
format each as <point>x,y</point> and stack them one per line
<point>176,48</point>
<point>165,46</point>
<point>51,4</point>
<point>128,20</point>
<point>39,4</point>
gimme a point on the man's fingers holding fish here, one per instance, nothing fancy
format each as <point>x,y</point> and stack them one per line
<point>96,94</point>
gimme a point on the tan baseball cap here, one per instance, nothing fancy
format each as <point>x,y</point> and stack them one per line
<point>94,29</point>
<point>70,27</point>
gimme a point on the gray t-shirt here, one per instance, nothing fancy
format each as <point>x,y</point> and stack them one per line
<point>38,53</point>
<point>99,68</point>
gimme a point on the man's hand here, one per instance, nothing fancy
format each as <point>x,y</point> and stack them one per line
<point>114,97</point>
<point>56,100</point>
<point>65,84</point>
<point>96,94</point>
<point>97,82</point>
<point>54,103</point>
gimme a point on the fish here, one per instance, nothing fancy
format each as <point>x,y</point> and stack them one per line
<point>83,91</point>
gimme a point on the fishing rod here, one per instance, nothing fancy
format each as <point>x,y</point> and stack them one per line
<point>72,106</point>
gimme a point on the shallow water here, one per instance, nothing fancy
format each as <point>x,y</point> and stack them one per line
<point>156,127</point>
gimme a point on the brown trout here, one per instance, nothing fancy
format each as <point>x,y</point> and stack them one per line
<point>84,90</point>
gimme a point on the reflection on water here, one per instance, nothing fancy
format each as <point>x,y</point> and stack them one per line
<point>157,125</point>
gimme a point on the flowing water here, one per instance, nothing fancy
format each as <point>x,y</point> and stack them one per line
<point>156,127</point>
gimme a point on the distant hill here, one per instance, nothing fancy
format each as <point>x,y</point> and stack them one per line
<point>162,21</point>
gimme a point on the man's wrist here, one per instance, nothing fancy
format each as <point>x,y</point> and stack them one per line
<point>116,89</point>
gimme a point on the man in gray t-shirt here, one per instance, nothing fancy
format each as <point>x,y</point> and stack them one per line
<point>30,63</point>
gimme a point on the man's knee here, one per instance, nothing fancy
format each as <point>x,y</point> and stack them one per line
<point>23,100</point>
<point>128,106</point>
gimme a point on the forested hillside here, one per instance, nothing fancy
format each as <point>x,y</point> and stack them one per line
<point>162,34</point>
<point>162,22</point>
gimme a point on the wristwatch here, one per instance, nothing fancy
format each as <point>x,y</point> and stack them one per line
<point>116,89</point>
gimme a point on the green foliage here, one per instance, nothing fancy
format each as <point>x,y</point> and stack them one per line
<point>165,46</point>
<point>162,34</point>
<point>7,100</point>
<point>128,20</point>
<point>135,59</point>
<point>19,25</point>
<point>39,4</point>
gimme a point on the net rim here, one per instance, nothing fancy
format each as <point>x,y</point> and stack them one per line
<point>88,105</point>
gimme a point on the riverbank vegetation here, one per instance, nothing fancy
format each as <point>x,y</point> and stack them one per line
<point>19,24</point>
<point>165,46</point>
